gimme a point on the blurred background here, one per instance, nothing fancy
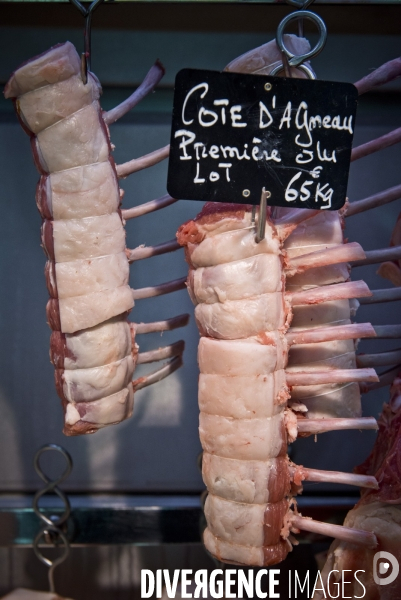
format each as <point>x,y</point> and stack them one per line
<point>152,459</point>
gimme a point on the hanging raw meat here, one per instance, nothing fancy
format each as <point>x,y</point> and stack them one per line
<point>378,511</point>
<point>93,346</point>
<point>243,313</point>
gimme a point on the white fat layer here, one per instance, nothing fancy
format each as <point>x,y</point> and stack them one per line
<point>245,555</point>
<point>247,357</point>
<point>238,480</point>
<point>260,274</point>
<point>57,64</point>
<point>233,245</point>
<point>262,59</point>
<point>241,318</point>
<point>295,251</point>
<point>318,276</point>
<point>72,416</point>
<point>382,519</point>
<point>324,402</point>
<point>219,225</point>
<point>88,191</point>
<point>235,522</point>
<point>323,228</point>
<point>88,238</point>
<point>85,385</point>
<point>84,276</point>
<point>82,312</point>
<point>338,361</point>
<point>109,410</point>
<point>321,353</point>
<point>314,315</point>
<point>243,439</point>
<point>242,397</point>
<point>327,400</point>
<point>76,140</point>
<point>45,106</point>
<point>100,345</point>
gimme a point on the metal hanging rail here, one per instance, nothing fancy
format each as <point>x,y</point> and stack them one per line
<point>137,520</point>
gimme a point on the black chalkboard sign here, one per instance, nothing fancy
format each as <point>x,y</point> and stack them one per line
<point>233,134</point>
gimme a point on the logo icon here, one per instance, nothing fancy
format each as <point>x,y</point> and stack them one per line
<point>385,563</point>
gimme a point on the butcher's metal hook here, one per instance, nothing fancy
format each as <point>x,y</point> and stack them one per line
<point>300,5</point>
<point>51,530</point>
<point>261,223</point>
<point>295,60</point>
<point>86,55</point>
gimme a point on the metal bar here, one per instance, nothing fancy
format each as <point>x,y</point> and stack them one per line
<point>132,519</point>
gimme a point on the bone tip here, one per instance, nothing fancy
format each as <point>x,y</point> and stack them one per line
<point>185,319</point>
<point>160,65</point>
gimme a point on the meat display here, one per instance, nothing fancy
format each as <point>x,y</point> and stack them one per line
<point>262,383</point>
<point>243,312</point>
<point>93,347</point>
<point>378,511</point>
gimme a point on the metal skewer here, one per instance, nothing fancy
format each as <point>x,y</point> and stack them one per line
<point>261,224</point>
<point>86,55</point>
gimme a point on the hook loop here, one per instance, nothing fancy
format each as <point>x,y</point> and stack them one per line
<point>307,70</point>
<point>39,470</point>
<point>293,59</point>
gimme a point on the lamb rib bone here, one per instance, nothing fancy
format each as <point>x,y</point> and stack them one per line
<point>389,139</point>
<point>354,536</point>
<point>380,199</point>
<point>143,162</point>
<point>151,80</point>
<point>383,74</point>
<point>299,473</point>
<point>167,325</point>
<point>147,207</point>
<point>384,379</point>
<point>147,251</point>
